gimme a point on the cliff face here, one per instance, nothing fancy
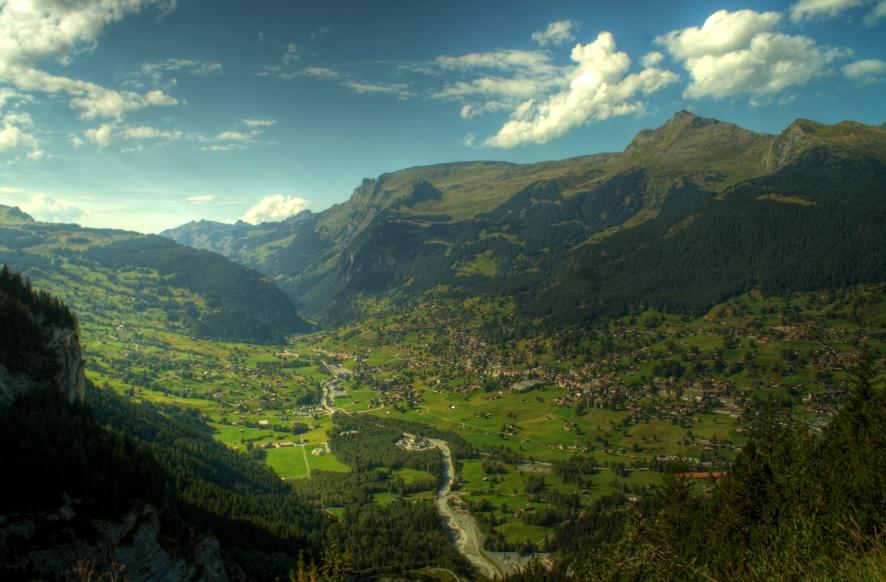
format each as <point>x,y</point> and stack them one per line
<point>72,511</point>
<point>70,379</point>
<point>128,548</point>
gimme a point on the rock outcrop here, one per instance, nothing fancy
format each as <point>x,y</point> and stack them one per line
<point>130,548</point>
<point>70,379</point>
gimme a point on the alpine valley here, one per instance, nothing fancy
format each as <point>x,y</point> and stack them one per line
<point>661,364</point>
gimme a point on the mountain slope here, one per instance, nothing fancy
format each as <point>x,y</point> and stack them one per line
<point>506,228</point>
<point>96,486</point>
<point>101,270</point>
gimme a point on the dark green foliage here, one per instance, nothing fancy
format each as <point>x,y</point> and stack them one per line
<point>27,317</point>
<point>735,244</point>
<point>366,444</point>
<point>397,538</point>
<point>259,522</point>
<point>52,447</point>
<point>375,446</point>
<point>242,304</point>
<point>575,467</point>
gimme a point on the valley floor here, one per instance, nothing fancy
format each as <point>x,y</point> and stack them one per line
<point>546,425</point>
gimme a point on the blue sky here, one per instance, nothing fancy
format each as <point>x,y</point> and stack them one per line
<point>144,114</point>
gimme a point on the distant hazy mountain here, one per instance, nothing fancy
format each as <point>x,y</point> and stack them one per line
<point>105,272</point>
<point>690,213</point>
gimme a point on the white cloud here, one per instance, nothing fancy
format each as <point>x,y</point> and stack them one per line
<point>599,88</point>
<point>233,136</point>
<point>806,10</point>
<point>230,140</point>
<point>48,209</point>
<point>10,190</point>
<point>399,90</point>
<point>811,9</point>
<point>146,132</point>
<point>866,71</point>
<point>155,72</point>
<point>221,148</point>
<point>285,70</point>
<point>258,123</point>
<point>100,135</point>
<point>535,62</point>
<point>723,32</point>
<point>274,208</point>
<point>15,135</point>
<point>736,53</point>
<point>361,87</point>
<point>558,32</point>
<point>105,133</point>
<point>320,33</point>
<point>292,54</point>
<point>877,14</point>
<point>34,30</point>
<point>321,73</point>
<point>519,75</point>
<point>7,95</point>
<point>201,199</point>
<point>652,59</point>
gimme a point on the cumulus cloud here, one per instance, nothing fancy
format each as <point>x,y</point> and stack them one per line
<point>48,209</point>
<point>100,135</point>
<point>866,71</point>
<point>274,208</point>
<point>35,30</point>
<point>600,87</point>
<point>811,9</point>
<point>558,32</point>
<point>16,136</point>
<point>736,53</point>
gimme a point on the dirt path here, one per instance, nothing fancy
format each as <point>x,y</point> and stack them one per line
<point>304,451</point>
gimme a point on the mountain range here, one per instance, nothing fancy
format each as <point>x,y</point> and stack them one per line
<point>687,215</point>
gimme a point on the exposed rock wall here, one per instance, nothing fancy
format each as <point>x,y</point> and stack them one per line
<point>126,549</point>
<point>71,379</point>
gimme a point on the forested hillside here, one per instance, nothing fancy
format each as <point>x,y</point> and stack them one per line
<point>689,214</point>
<point>103,271</point>
<point>104,459</point>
